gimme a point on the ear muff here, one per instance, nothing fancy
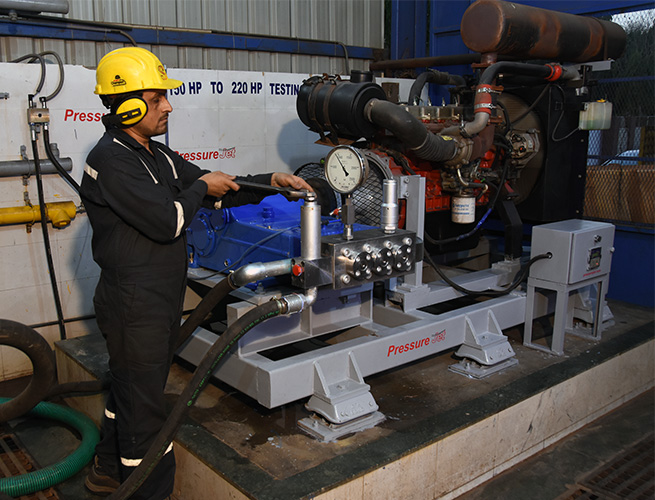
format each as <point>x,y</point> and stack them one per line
<point>124,111</point>
<point>131,111</point>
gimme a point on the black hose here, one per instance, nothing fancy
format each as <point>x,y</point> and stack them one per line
<point>410,131</point>
<point>55,161</point>
<point>36,348</point>
<point>518,279</point>
<point>516,68</point>
<point>60,63</point>
<point>432,76</point>
<point>85,386</point>
<point>33,57</point>
<point>43,384</point>
<point>188,397</point>
<point>204,308</point>
<point>46,240</point>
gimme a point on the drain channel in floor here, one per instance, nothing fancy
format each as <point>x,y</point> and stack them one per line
<point>629,476</point>
<point>15,461</point>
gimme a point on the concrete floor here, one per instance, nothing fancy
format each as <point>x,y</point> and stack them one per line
<point>546,475</point>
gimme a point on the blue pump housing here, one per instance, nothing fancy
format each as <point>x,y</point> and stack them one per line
<point>226,239</point>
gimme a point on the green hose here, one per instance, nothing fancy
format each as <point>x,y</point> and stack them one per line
<point>56,473</point>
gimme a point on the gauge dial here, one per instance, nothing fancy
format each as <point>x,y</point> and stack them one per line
<point>345,169</point>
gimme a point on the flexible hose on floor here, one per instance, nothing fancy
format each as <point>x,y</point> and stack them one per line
<point>188,397</point>
<point>43,384</point>
<point>56,473</point>
<point>27,340</point>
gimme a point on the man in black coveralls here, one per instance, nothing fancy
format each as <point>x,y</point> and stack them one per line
<point>140,197</point>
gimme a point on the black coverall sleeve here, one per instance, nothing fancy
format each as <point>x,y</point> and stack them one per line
<point>142,201</point>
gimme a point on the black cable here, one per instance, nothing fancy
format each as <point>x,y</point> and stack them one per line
<point>399,159</point>
<point>68,320</point>
<point>532,106</point>
<point>190,394</point>
<point>518,279</point>
<point>561,115</point>
<point>46,239</point>
<point>508,123</point>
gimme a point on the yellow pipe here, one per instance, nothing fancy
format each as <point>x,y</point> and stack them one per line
<point>60,213</point>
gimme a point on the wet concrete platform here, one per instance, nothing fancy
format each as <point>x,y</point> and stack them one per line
<point>444,434</point>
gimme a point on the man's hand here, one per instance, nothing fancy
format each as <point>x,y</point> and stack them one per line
<point>219,183</point>
<point>280,179</point>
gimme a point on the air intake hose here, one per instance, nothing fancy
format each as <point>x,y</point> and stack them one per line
<point>410,131</point>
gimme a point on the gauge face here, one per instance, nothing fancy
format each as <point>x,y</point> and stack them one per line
<point>345,169</point>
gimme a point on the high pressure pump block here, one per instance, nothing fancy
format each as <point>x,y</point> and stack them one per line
<point>371,255</point>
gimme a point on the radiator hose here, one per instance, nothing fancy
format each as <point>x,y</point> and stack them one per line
<point>187,398</point>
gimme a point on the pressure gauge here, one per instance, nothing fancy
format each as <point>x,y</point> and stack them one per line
<point>345,169</point>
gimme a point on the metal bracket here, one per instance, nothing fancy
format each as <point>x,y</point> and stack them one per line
<point>327,432</point>
<point>485,344</point>
<point>477,371</point>
<point>343,400</point>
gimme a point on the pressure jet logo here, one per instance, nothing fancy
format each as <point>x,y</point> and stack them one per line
<point>438,336</point>
<point>417,344</point>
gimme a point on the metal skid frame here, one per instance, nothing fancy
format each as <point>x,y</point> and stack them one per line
<point>380,338</point>
<point>347,335</point>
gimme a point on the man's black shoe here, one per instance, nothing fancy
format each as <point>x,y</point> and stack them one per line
<point>100,482</point>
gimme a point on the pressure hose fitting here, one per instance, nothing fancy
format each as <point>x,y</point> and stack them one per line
<point>241,277</point>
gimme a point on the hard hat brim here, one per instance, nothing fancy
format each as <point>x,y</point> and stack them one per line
<point>168,84</point>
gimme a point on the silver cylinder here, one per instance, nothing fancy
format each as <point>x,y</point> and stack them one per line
<point>310,230</point>
<point>389,207</point>
<point>17,168</point>
<point>58,6</point>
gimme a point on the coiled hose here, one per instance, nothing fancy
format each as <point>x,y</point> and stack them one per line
<point>44,478</point>
<point>43,385</point>
<point>188,397</point>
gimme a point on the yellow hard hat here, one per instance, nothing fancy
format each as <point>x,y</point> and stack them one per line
<point>130,69</point>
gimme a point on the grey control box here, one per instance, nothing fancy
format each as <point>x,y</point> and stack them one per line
<point>580,249</point>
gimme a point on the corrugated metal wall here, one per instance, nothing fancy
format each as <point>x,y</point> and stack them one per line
<point>359,23</point>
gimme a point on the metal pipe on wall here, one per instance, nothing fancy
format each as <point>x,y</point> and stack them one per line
<point>60,213</point>
<point>16,168</point>
<point>57,6</point>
